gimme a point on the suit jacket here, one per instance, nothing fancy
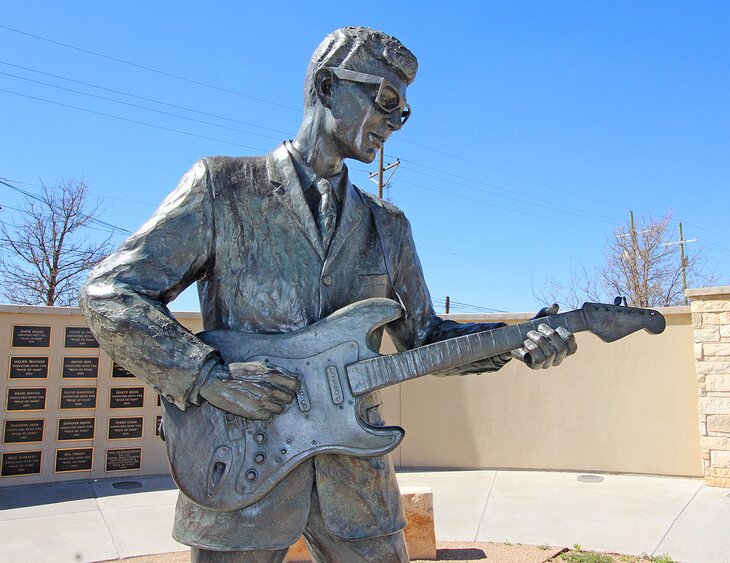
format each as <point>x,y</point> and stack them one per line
<point>241,228</point>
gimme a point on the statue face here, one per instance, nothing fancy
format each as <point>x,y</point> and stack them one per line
<point>358,124</point>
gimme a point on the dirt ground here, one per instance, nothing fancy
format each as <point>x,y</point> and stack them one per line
<point>463,552</point>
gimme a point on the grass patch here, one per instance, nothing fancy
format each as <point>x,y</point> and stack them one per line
<point>585,557</point>
<point>579,556</point>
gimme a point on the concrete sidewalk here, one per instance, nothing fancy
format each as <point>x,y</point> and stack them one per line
<point>96,521</point>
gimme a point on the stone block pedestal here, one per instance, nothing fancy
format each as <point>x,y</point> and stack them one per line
<point>420,534</point>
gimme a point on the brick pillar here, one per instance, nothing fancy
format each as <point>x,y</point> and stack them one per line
<point>711,324</point>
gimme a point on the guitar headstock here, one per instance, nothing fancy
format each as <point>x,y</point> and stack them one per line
<point>611,322</point>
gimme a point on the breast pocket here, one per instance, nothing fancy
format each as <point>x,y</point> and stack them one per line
<point>371,285</point>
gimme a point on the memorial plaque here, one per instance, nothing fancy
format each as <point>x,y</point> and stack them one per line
<point>20,463</point>
<point>82,428</point>
<point>25,336</point>
<point>79,337</point>
<point>26,399</point>
<point>78,367</point>
<point>126,397</point>
<point>23,431</point>
<point>124,427</point>
<point>123,459</point>
<point>119,371</point>
<point>74,459</point>
<point>158,425</point>
<point>28,367</point>
<point>78,398</point>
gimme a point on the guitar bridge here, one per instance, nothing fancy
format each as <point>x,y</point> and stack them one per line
<point>236,426</point>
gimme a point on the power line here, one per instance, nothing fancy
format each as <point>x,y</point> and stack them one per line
<point>238,93</point>
<point>708,230</point>
<point>144,98</point>
<point>160,127</point>
<point>495,206</point>
<point>276,138</point>
<point>476,163</point>
<point>169,129</point>
<point>695,226</point>
<point>267,136</point>
<point>546,204</point>
<point>716,247</point>
<point>139,106</point>
<point>481,258</point>
<point>150,69</point>
<point>242,94</point>
<point>254,133</point>
<point>171,75</point>
<point>93,192</point>
<point>94,220</point>
<point>714,259</point>
<point>466,307</point>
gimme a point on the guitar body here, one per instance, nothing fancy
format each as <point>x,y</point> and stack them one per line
<point>225,462</point>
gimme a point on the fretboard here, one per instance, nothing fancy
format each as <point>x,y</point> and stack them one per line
<point>368,375</point>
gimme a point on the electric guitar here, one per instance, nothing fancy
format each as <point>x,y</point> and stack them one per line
<point>225,462</point>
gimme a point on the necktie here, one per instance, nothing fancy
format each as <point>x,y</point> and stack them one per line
<point>327,212</point>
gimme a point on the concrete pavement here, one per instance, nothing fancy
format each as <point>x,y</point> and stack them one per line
<point>96,521</point>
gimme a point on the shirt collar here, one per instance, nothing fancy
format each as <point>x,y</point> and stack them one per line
<point>307,176</point>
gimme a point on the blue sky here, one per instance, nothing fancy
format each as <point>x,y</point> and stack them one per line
<point>536,125</point>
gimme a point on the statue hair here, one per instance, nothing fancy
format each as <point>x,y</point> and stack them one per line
<point>354,48</point>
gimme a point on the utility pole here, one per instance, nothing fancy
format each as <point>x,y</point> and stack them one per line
<point>683,264</point>
<point>380,173</point>
<point>447,304</point>
<point>632,228</point>
<point>634,259</point>
<point>378,177</point>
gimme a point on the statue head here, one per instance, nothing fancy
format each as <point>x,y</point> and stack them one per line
<point>355,90</point>
<point>359,49</point>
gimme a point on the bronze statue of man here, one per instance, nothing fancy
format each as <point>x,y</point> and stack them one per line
<point>275,244</point>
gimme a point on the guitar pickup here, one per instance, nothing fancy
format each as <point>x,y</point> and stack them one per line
<point>335,387</point>
<point>303,396</point>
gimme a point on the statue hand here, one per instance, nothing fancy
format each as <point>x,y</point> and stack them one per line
<point>253,390</point>
<point>546,346</point>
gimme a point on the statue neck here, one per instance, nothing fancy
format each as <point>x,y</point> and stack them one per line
<point>315,146</point>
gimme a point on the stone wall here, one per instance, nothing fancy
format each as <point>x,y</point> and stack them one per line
<point>625,407</point>
<point>711,324</point>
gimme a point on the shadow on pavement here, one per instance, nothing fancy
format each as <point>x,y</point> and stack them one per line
<point>50,493</point>
<point>465,554</point>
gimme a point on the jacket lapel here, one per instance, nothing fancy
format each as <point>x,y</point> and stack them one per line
<point>352,214</point>
<point>288,190</point>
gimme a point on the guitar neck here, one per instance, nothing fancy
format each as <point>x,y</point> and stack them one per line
<point>368,375</point>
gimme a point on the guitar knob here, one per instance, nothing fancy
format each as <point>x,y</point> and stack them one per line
<point>251,475</point>
<point>259,457</point>
<point>259,437</point>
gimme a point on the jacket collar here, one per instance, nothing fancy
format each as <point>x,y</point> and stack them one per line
<point>288,189</point>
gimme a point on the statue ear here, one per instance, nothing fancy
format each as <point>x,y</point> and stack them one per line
<point>323,84</point>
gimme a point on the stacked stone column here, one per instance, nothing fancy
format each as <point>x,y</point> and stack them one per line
<point>711,323</point>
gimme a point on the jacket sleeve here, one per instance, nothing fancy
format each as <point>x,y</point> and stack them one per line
<point>125,298</point>
<point>420,325</point>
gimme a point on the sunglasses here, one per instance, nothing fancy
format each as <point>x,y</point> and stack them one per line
<point>388,98</point>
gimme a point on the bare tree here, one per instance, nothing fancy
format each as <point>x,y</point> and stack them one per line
<point>580,287</point>
<point>46,253</point>
<point>640,264</point>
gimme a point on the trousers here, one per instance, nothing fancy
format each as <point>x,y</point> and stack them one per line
<point>324,546</point>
